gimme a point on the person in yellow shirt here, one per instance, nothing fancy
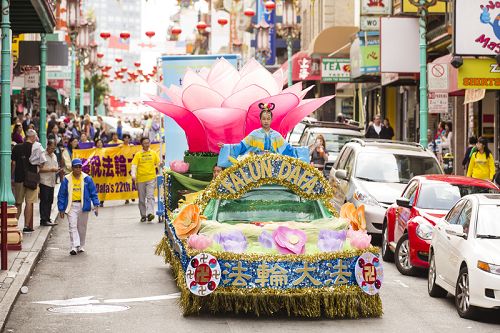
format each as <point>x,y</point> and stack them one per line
<point>143,173</point>
<point>482,164</point>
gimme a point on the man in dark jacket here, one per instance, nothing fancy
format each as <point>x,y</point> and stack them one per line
<point>377,129</point>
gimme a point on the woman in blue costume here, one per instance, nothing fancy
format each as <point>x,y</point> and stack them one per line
<point>261,140</point>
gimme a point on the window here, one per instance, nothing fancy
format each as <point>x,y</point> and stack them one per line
<point>454,213</point>
<point>343,159</point>
<point>465,216</point>
<point>411,191</point>
<point>349,165</point>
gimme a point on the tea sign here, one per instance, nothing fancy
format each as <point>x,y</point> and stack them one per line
<point>335,70</point>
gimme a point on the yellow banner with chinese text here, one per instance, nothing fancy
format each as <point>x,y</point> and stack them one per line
<point>110,169</point>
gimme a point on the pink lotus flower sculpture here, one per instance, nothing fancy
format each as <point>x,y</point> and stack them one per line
<point>290,241</point>
<point>359,239</point>
<point>199,242</point>
<point>220,104</point>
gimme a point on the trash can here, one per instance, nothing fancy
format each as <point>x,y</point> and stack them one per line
<point>448,163</point>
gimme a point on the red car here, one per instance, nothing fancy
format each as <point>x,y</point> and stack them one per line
<point>408,223</point>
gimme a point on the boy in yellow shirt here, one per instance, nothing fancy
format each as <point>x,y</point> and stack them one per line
<point>143,173</point>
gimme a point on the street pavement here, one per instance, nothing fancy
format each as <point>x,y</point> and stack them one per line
<point>119,271</point>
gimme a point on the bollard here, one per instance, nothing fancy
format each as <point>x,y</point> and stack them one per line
<point>3,213</point>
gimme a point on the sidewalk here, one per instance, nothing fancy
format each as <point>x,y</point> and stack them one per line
<point>22,263</point>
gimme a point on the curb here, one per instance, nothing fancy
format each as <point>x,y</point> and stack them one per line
<point>23,275</point>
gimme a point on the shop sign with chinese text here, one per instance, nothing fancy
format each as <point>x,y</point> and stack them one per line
<point>376,7</point>
<point>335,70</point>
<point>479,74</point>
<point>438,102</point>
<point>477,27</point>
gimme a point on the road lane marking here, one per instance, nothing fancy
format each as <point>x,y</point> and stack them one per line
<point>143,299</point>
<point>70,302</point>
<point>401,284</point>
<point>87,300</point>
<point>89,308</point>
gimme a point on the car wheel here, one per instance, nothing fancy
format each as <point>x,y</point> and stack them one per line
<point>387,254</point>
<point>433,289</point>
<point>402,257</point>
<point>462,295</point>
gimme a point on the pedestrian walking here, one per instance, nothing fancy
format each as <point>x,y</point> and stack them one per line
<point>376,130</point>
<point>468,152</point>
<point>75,199</point>
<point>48,171</point>
<point>26,179</point>
<point>389,131</point>
<point>67,154</point>
<point>482,164</point>
<point>143,173</point>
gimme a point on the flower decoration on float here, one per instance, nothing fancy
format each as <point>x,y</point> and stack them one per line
<point>232,241</point>
<point>199,242</point>
<point>359,239</point>
<point>331,240</point>
<point>188,221</point>
<point>229,108</point>
<point>356,217</point>
<point>289,241</point>
<point>266,240</point>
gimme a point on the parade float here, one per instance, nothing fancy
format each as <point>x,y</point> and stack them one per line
<point>262,238</point>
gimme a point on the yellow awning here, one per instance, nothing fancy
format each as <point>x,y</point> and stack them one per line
<point>333,40</point>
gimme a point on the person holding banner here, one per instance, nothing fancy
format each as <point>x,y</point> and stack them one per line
<point>76,196</point>
<point>143,173</point>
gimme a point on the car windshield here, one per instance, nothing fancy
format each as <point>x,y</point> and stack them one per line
<point>296,133</point>
<point>268,205</point>
<point>334,142</point>
<point>443,196</point>
<point>488,224</point>
<point>393,168</point>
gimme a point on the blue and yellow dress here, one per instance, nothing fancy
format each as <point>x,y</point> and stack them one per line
<point>258,142</point>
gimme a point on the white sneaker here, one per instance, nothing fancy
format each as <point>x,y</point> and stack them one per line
<point>81,249</point>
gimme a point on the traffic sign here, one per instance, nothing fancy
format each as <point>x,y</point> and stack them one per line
<point>438,77</point>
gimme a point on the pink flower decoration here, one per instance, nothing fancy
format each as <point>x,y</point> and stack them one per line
<point>289,241</point>
<point>220,104</point>
<point>179,166</point>
<point>199,242</point>
<point>359,239</point>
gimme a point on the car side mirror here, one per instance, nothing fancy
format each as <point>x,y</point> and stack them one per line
<point>403,202</point>
<point>455,230</point>
<point>341,174</point>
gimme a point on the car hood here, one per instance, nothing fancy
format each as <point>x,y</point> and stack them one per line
<point>488,250</point>
<point>383,192</point>
<point>432,215</point>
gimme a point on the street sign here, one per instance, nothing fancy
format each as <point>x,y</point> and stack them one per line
<point>438,77</point>
<point>438,102</point>
<point>31,79</point>
<point>376,7</point>
<point>335,70</point>
<point>60,75</point>
<point>369,23</point>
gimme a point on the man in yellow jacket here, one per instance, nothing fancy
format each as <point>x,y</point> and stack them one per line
<point>143,173</point>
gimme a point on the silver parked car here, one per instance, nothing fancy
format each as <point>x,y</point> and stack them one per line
<point>375,172</point>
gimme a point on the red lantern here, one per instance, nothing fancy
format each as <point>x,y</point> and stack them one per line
<point>249,12</point>
<point>118,60</point>
<point>100,55</point>
<point>150,33</point>
<point>111,80</point>
<point>139,71</point>
<point>176,31</point>
<point>105,35</point>
<point>124,81</point>
<point>270,5</point>
<point>201,26</point>
<point>222,21</point>
<point>137,64</point>
<point>123,69</point>
<point>125,35</point>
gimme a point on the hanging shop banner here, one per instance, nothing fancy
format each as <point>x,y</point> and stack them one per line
<point>335,70</point>
<point>376,7</point>
<point>438,102</point>
<point>270,17</point>
<point>306,68</point>
<point>477,27</point>
<point>110,169</point>
<point>474,95</point>
<point>365,57</point>
<point>438,8</point>
<point>479,74</point>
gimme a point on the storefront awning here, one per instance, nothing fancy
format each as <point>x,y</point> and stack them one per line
<point>32,16</point>
<point>333,40</point>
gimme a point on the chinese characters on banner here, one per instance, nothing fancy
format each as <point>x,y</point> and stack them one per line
<point>110,169</point>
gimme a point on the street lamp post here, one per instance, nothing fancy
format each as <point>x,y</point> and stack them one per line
<point>291,31</point>
<point>43,89</point>
<point>93,64</point>
<point>263,49</point>
<point>73,21</point>
<point>423,6</point>
<point>83,44</point>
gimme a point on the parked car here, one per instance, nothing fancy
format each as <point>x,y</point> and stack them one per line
<point>375,172</point>
<point>335,134</point>
<point>294,136</point>
<point>408,223</point>
<point>465,254</point>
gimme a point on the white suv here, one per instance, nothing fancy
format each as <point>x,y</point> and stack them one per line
<point>375,173</point>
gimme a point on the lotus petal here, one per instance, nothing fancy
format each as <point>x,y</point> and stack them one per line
<point>305,91</point>
<point>262,78</point>
<point>197,97</point>
<point>204,73</point>
<point>301,111</point>
<point>284,103</point>
<point>226,126</point>
<point>280,78</point>
<point>155,98</point>
<point>191,77</point>
<point>250,66</point>
<point>197,138</point>
<point>222,77</point>
<point>296,89</point>
<point>244,98</point>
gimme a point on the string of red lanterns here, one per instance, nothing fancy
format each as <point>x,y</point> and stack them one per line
<point>270,5</point>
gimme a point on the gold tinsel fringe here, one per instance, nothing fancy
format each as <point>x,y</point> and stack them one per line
<point>163,249</point>
<point>338,302</point>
